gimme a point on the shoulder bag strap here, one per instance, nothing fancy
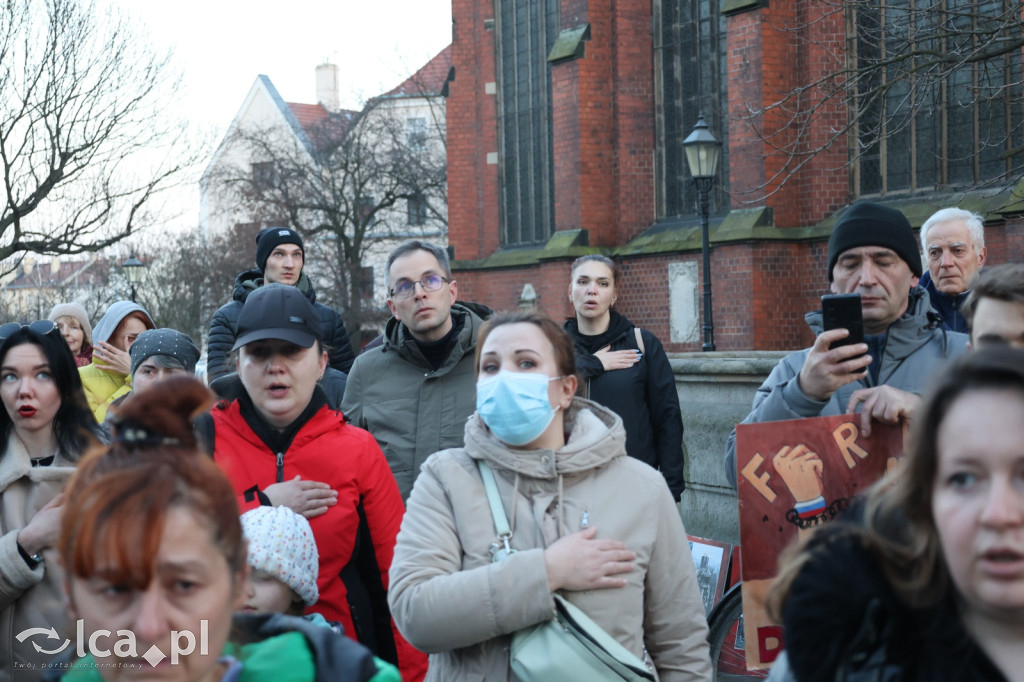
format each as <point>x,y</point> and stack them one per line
<point>639,339</point>
<point>497,511</point>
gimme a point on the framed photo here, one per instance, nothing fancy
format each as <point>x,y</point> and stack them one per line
<point>711,561</point>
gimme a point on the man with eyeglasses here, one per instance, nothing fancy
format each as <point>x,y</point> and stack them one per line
<point>416,389</point>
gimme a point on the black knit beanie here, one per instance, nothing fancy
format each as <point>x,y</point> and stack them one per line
<point>869,224</point>
<point>270,237</point>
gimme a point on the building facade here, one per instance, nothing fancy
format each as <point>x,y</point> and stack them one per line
<point>565,124</point>
<point>354,183</point>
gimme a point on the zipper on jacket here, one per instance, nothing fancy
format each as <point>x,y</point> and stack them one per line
<point>280,467</point>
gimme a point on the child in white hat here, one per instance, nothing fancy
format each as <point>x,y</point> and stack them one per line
<point>283,568</point>
<point>283,561</point>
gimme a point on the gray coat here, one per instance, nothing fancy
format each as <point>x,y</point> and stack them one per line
<point>450,600</point>
<point>412,409</point>
<point>915,348</point>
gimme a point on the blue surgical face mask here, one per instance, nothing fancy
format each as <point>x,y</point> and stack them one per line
<point>515,405</point>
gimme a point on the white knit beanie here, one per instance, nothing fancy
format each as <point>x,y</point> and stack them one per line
<point>281,544</point>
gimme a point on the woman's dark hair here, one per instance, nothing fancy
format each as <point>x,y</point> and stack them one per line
<point>74,425</point>
<point>119,498</point>
<point>565,357</point>
<point>900,528</point>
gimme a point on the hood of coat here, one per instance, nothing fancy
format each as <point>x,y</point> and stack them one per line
<point>251,280</point>
<point>115,313</point>
<point>596,437</point>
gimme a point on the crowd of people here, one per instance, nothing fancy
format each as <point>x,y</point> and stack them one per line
<point>326,515</point>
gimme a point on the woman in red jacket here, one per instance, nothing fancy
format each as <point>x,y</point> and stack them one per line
<point>280,444</point>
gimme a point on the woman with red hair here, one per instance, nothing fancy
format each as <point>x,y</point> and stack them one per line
<point>154,552</point>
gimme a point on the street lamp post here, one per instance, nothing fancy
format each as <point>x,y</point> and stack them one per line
<point>703,151</point>
<point>133,269</point>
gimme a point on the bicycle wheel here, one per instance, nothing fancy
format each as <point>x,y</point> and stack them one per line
<point>725,635</point>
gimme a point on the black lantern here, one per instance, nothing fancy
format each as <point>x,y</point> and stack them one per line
<point>133,271</point>
<point>703,151</point>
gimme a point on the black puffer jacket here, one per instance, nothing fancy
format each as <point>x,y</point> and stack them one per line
<point>222,326</point>
<point>643,395</point>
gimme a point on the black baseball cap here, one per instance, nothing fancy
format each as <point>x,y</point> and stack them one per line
<point>278,311</point>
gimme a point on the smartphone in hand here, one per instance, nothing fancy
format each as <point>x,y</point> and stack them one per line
<point>842,311</point>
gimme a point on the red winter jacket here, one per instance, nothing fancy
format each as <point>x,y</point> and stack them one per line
<point>355,538</point>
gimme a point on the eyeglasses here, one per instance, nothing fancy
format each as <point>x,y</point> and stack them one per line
<point>407,289</point>
<point>41,327</point>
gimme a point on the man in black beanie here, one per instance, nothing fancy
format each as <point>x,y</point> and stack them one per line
<point>872,252</point>
<point>280,256</point>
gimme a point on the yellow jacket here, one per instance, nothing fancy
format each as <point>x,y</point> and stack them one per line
<point>103,387</point>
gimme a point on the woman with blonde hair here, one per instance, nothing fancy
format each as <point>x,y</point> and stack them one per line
<point>153,550</point>
<point>73,322</point>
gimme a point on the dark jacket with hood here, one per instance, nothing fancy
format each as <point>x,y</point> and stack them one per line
<point>946,305</point>
<point>644,395</point>
<point>412,409</point>
<point>222,326</point>
<point>914,347</point>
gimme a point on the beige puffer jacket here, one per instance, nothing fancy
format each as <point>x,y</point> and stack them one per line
<point>29,598</point>
<point>449,600</point>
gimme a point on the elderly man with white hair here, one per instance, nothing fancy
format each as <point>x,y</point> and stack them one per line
<point>953,241</point>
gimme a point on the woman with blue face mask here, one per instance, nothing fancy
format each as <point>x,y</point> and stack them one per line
<point>585,521</point>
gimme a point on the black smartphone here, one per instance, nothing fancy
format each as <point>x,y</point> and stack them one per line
<point>842,311</point>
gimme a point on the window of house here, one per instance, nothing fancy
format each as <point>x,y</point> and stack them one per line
<point>417,210</point>
<point>367,285</point>
<point>690,78</point>
<point>526,31</point>
<point>264,175</point>
<point>365,206</point>
<point>416,133</point>
<point>927,121</point>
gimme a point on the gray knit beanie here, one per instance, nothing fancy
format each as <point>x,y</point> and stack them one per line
<point>164,342</point>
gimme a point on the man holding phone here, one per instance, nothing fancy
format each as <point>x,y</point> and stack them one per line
<point>872,252</point>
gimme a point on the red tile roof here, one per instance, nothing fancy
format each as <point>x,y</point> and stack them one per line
<point>77,273</point>
<point>428,80</point>
<point>308,114</point>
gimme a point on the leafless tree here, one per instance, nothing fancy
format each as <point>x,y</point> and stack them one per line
<point>934,84</point>
<point>189,277</point>
<point>82,149</point>
<point>345,186</point>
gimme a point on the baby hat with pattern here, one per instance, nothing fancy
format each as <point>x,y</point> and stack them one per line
<point>281,544</point>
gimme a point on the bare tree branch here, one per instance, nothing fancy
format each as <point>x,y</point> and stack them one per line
<point>80,103</point>
<point>901,63</point>
<point>345,187</point>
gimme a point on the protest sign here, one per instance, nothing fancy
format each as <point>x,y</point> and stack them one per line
<point>795,475</point>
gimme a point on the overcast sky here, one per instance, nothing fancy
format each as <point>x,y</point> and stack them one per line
<point>223,45</point>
